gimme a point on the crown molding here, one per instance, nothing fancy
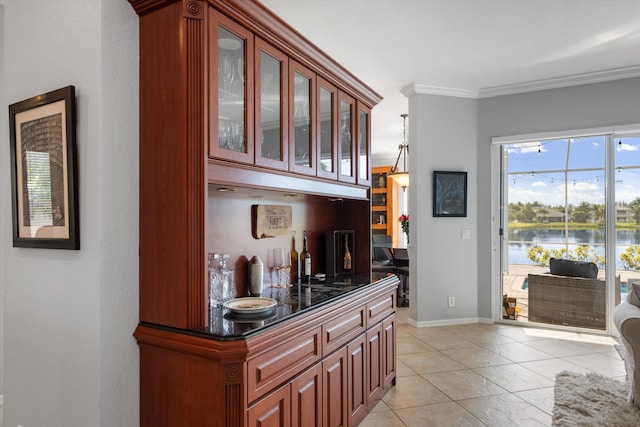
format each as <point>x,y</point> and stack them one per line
<point>417,88</point>
<point>532,86</point>
<point>560,82</point>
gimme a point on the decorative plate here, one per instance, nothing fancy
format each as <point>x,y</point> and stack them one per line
<point>257,319</point>
<point>250,305</point>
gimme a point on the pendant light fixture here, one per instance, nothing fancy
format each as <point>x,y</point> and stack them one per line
<point>402,177</point>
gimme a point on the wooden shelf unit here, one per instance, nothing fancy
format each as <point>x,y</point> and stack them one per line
<point>384,201</point>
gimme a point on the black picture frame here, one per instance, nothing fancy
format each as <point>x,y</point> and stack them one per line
<point>449,194</point>
<point>44,173</point>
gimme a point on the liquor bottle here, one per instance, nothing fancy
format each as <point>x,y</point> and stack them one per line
<point>347,255</point>
<point>294,259</point>
<point>305,260</point>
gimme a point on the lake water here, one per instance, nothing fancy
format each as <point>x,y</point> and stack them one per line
<point>521,240</point>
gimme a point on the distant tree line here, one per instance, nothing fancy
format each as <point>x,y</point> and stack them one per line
<point>536,212</point>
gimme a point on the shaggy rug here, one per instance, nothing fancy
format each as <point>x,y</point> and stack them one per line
<point>592,400</point>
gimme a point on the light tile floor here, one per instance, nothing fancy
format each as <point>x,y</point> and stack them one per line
<point>477,374</point>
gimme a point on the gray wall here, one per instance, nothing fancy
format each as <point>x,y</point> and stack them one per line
<point>442,136</point>
<point>69,355</point>
<point>578,107</point>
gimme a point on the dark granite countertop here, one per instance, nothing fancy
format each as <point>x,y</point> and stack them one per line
<point>291,301</point>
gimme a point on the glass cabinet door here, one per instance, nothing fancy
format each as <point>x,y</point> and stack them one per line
<point>346,150</point>
<point>231,124</point>
<point>364,144</point>
<point>327,129</point>
<point>302,109</point>
<point>271,107</point>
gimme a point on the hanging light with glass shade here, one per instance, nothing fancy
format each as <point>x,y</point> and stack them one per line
<point>402,177</point>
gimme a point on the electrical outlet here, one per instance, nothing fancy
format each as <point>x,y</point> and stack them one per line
<point>452,301</point>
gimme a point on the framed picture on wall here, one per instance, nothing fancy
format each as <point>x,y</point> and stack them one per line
<point>44,178</point>
<point>449,194</point>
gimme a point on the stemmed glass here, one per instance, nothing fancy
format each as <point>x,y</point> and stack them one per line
<point>240,67</point>
<point>271,264</point>
<point>226,71</point>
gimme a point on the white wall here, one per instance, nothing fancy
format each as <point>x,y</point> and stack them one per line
<point>442,136</point>
<point>578,107</point>
<point>69,355</point>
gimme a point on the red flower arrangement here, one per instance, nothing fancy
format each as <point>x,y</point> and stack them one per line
<point>404,223</point>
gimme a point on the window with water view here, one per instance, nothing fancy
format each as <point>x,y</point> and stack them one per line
<point>556,201</point>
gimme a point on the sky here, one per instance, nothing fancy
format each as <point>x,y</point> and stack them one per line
<point>536,170</point>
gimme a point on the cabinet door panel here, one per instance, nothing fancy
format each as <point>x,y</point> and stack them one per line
<point>271,101</point>
<point>375,356</point>
<point>364,144</point>
<point>389,350</point>
<point>334,385</point>
<point>306,398</point>
<point>302,93</point>
<point>231,61</point>
<point>346,143</point>
<point>327,138</point>
<point>272,411</point>
<point>357,368</point>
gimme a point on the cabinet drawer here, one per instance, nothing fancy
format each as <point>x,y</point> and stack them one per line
<point>275,366</point>
<point>342,329</point>
<point>380,308</point>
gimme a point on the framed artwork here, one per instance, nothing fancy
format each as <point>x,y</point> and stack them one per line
<point>44,179</point>
<point>449,194</point>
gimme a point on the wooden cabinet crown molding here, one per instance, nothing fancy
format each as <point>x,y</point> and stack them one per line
<point>266,24</point>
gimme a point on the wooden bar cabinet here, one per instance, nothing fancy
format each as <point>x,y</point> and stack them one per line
<point>236,106</point>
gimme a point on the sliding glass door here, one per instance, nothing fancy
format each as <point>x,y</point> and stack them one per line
<point>626,175</point>
<point>554,232</point>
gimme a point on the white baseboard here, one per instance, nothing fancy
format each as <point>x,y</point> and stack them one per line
<point>449,322</point>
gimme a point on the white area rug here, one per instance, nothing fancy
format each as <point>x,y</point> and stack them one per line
<point>592,400</point>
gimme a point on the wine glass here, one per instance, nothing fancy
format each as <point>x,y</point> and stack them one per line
<point>226,71</point>
<point>271,264</point>
<point>240,67</point>
<point>237,137</point>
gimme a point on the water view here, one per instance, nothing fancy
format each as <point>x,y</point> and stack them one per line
<point>521,240</point>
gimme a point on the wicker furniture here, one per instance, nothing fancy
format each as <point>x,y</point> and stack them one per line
<point>570,301</point>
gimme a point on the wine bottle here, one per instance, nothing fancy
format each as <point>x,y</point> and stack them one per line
<point>305,260</point>
<point>347,255</point>
<point>294,259</point>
